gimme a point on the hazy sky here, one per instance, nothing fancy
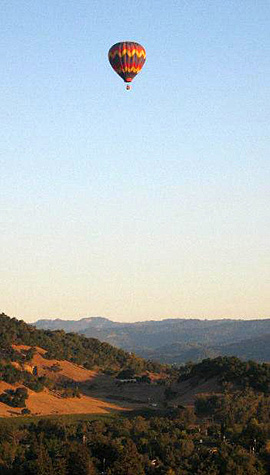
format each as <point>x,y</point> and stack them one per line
<point>137,205</point>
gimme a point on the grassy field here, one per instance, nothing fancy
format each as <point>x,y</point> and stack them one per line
<point>21,421</point>
<point>66,418</point>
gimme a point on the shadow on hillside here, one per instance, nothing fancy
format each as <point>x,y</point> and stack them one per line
<point>136,394</point>
<point>141,395</point>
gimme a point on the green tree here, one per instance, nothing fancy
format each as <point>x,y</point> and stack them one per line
<point>129,462</point>
<point>79,461</point>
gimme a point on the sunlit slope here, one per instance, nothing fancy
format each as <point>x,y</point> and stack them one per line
<point>45,372</point>
<point>49,400</point>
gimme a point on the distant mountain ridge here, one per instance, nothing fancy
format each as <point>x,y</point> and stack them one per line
<point>73,325</point>
<point>176,340</point>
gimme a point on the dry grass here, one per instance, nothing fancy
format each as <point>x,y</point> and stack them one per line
<point>101,393</point>
<point>68,370</point>
<point>48,402</point>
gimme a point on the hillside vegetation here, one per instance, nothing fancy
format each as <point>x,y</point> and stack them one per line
<point>89,352</point>
<point>45,372</point>
<point>232,370</point>
<point>56,365</point>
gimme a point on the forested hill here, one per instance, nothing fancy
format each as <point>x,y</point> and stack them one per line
<point>78,349</point>
<point>229,369</point>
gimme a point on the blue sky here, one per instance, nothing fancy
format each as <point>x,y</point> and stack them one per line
<point>151,203</point>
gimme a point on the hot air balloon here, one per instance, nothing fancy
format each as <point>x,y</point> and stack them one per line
<point>127,59</point>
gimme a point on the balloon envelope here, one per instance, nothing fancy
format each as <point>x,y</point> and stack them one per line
<point>127,59</point>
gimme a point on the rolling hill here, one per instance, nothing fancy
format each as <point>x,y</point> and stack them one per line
<point>46,372</point>
<point>53,372</point>
<point>176,340</point>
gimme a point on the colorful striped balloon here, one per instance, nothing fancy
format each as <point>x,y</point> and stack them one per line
<point>127,59</point>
